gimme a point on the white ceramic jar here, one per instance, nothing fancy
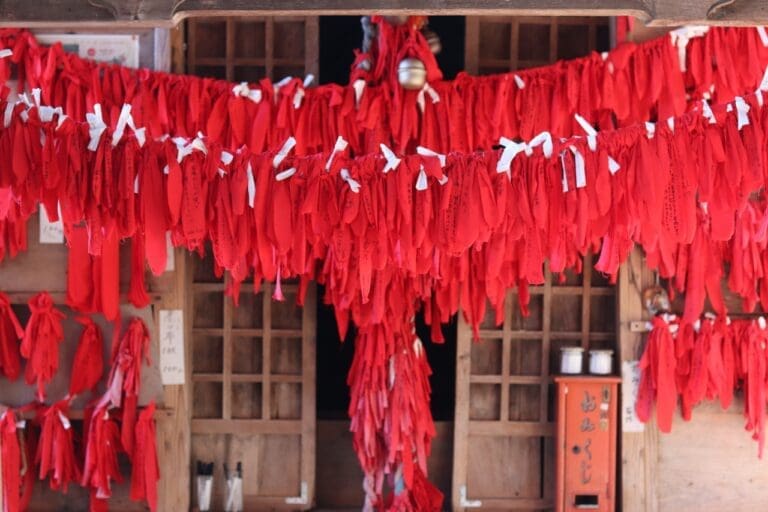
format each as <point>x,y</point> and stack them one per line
<point>600,362</point>
<point>571,360</point>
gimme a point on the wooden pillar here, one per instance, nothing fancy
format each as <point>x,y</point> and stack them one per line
<point>173,427</point>
<point>639,450</point>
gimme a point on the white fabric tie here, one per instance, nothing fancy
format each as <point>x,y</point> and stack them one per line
<point>284,175</point>
<point>392,161</point>
<point>96,127</point>
<point>421,150</point>
<point>742,112</point>
<point>421,180</point>
<point>589,130</point>
<point>226,159</point>
<point>613,165</point>
<point>359,87</point>
<point>5,52</point>
<point>706,111</point>
<point>340,145</point>
<point>354,186</point>
<point>420,97</point>
<point>763,35</point>
<point>650,129</point>
<point>9,114</point>
<point>519,81</point>
<point>47,113</point>
<point>511,150</point>
<point>682,35</point>
<point>251,185</point>
<point>184,148</point>
<point>126,119</point>
<point>280,156</point>
<point>244,91</point>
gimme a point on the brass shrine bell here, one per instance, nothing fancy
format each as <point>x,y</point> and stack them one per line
<point>411,73</point>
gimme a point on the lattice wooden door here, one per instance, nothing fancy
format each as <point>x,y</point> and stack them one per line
<point>253,366</point>
<point>247,49</point>
<point>253,374</point>
<point>495,44</point>
<point>504,451</point>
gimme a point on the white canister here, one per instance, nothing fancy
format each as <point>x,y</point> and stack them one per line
<point>600,362</point>
<point>571,360</point>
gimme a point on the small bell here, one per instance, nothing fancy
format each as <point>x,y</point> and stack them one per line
<point>433,40</point>
<point>411,73</point>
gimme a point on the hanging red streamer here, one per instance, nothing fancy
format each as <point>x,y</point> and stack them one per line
<point>55,450</point>
<point>40,345</point>
<point>88,364</point>
<point>146,471</point>
<point>11,333</point>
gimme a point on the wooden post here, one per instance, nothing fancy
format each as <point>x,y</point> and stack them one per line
<point>639,454</point>
<point>173,429</point>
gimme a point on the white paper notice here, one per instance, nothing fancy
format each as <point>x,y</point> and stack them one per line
<point>50,232</point>
<point>170,256</point>
<point>171,347</point>
<point>630,384</point>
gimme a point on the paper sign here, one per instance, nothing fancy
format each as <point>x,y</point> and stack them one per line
<point>113,48</point>
<point>170,256</point>
<point>630,384</point>
<point>171,347</point>
<point>50,232</point>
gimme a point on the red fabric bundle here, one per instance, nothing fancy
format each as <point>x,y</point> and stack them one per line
<point>11,457</point>
<point>101,465</point>
<point>712,358</point>
<point>657,382</point>
<point>40,345</point>
<point>55,449</point>
<point>10,334</point>
<point>146,471</point>
<point>13,225</point>
<point>125,377</point>
<point>88,364</point>
<point>389,384</point>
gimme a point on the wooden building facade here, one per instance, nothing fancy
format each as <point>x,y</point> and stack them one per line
<point>251,384</point>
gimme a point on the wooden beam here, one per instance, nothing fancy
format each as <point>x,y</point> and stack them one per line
<point>709,12</point>
<point>167,13</point>
<point>170,12</point>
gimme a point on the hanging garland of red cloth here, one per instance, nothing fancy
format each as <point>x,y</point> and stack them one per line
<point>630,84</point>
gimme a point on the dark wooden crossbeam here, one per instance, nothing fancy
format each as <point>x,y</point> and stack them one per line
<point>78,13</point>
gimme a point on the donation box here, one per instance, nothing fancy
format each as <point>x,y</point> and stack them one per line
<point>586,443</point>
